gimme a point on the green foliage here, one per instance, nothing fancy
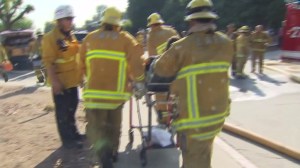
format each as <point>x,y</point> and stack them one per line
<point>23,23</point>
<point>139,10</point>
<point>12,11</point>
<point>127,25</point>
<point>174,12</point>
<point>93,23</point>
<point>49,26</point>
<point>269,13</point>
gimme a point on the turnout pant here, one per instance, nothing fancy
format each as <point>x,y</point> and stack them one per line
<point>260,56</point>
<point>233,65</point>
<point>240,62</point>
<point>103,129</point>
<point>37,66</point>
<point>197,153</point>
<point>65,108</point>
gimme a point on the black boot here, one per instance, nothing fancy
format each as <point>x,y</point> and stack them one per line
<point>5,77</point>
<point>115,157</point>
<point>72,145</point>
<point>80,137</point>
<point>106,159</point>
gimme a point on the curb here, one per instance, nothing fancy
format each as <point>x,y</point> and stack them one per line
<point>263,141</point>
<point>293,77</point>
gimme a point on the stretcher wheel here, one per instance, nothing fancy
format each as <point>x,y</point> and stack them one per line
<point>143,157</point>
<point>131,138</point>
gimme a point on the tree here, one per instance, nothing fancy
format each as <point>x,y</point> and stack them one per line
<point>48,26</point>
<point>93,24</point>
<point>12,11</point>
<point>269,13</point>
<point>172,18</point>
<point>23,23</point>
<point>139,10</point>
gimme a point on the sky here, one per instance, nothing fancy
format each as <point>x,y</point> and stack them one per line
<point>83,9</point>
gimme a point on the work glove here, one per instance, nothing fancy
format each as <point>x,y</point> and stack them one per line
<point>139,89</point>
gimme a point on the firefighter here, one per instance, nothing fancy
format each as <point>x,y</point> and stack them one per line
<point>60,52</point>
<point>140,37</point>
<point>232,34</point>
<point>110,59</point>
<point>201,62</point>
<point>259,42</point>
<point>242,51</point>
<point>3,58</point>
<point>156,45</point>
<point>36,56</point>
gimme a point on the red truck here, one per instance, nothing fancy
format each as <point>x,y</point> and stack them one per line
<point>291,32</point>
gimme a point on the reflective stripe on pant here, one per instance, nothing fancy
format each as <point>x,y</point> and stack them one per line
<point>195,153</point>
<point>240,64</point>
<point>65,108</point>
<point>260,56</point>
<point>104,128</point>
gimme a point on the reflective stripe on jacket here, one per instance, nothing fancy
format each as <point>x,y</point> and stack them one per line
<point>65,61</point>
<point>157,39</point>
<point>201,61</point>
<point>110,60</point>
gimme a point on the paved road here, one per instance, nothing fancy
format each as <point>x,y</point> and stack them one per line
<point>269,106</point>
<point>266,104</point>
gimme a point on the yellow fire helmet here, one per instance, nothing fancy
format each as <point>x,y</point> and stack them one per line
<point>112,16</point>
<point>244,29</point>
<point>200,9</point>
<point>154,18</point>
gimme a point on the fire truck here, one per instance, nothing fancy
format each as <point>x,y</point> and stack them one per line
<point>17,45</point>
<point>291,32</point>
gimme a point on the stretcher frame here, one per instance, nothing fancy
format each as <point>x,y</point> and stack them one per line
<point>146,135</point>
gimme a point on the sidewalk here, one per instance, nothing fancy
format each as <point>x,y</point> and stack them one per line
<point>224,156</point>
